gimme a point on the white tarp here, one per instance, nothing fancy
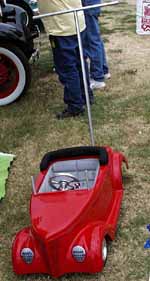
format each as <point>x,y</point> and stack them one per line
<point>143,17</point>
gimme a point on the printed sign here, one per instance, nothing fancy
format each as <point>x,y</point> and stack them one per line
<point>143,17</point>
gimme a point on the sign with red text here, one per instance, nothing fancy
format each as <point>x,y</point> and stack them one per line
<point>143,17</point>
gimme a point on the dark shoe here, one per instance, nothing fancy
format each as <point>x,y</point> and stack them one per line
<point>67,114</point>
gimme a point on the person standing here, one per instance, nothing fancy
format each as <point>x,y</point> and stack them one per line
<point>94,47</point>
<point>63,38</point>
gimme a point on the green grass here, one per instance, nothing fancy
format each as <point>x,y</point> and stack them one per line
<point>121,119</point>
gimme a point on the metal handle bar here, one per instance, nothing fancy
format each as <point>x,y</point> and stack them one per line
<point>75,13</point>
<point>76,10</point>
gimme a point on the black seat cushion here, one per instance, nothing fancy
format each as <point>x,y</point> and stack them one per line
<point>101,152</point>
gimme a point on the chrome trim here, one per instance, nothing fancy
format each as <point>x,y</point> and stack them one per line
<point>33,185</point>
<point>1,14</point>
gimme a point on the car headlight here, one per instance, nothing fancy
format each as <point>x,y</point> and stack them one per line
<point>79,253</point>
<point>27,255</point>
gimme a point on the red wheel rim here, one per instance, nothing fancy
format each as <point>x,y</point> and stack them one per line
<point>9,76</point>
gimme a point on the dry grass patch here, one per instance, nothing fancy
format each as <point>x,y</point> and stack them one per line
<point>121,116</point>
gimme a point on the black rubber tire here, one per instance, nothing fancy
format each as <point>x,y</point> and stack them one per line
<point>17,57</point>
<point>26,7</point>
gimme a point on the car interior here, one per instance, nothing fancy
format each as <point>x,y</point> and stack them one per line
<point>70,175</point>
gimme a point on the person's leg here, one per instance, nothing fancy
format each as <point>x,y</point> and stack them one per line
<point>64,51</point>
<point>96,52</point>
<point>105,64</point>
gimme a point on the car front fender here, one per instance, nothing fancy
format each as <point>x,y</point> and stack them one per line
<point>117,160</point>
<point>28,253</point>
<point>90,239</point>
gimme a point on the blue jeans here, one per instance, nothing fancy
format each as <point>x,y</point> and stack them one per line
<point>68,67</point>
<point>94,46</point>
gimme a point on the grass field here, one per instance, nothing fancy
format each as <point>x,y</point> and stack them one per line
<point>121,119</point>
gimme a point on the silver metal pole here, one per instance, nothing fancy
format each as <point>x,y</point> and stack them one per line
<point>84,77</point>
<point>33,185</point>
<point>76,10</point>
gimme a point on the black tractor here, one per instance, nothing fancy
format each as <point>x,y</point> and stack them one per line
<point>17,34</point>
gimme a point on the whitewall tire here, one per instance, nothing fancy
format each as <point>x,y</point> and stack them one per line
<point>14,73</point>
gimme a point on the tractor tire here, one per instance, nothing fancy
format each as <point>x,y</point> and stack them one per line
<point>26,8</point>
<point>15,73</point>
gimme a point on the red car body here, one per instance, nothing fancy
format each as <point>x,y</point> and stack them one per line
<point>69,227</point>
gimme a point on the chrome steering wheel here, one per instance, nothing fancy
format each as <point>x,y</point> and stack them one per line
<point>66,182</point>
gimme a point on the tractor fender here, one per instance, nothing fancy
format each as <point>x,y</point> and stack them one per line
<point>9,32</point>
